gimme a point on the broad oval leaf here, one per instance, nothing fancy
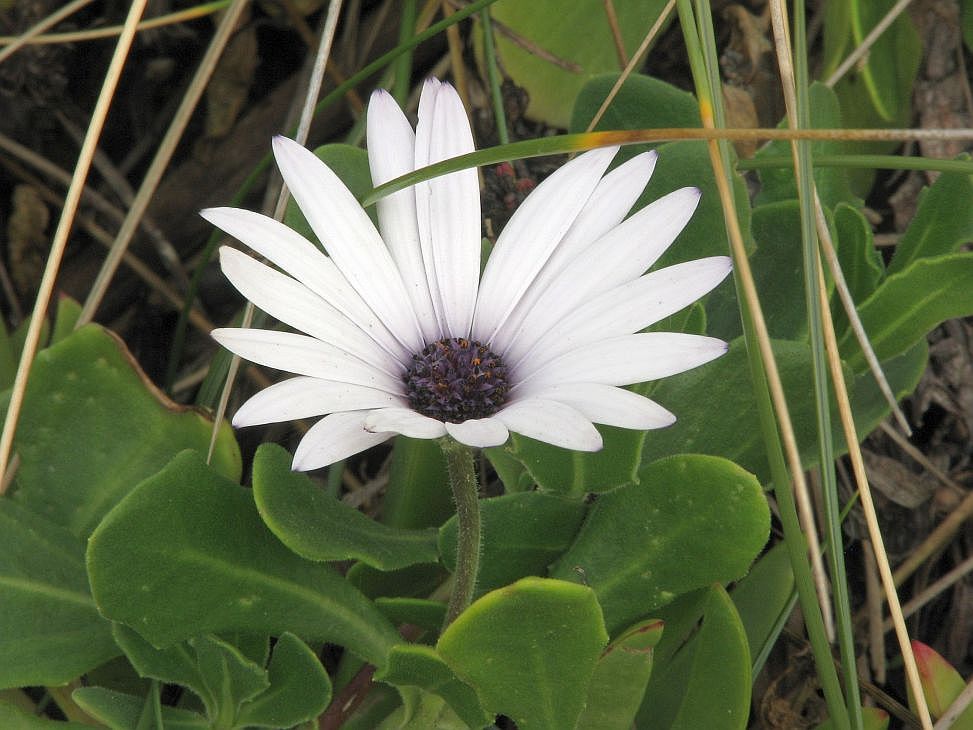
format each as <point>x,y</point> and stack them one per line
<point>186,553</point>
<point>764,600</point>
<point>707,682</point>
<point>93,427</point>
<point>50,629</point>
<point>317,526</point>
<point>529,650</point>
<point>642,102</point>
<point>691,520</point>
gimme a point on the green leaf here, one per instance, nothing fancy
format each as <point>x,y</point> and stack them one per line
<point>413,665</point>
<point>575,472</point>
<point>621,675</point>
<point>235,690</point>
<point>551,89</point>
<point>65,318</point>
<point>93,427</point>
<point>529,650</point>
<point>764,599</point>
<point>13,718</point>
<point>860,261</point>
<point>707,684</point>
<point>837,36</point>
<point>230,677</point>
<point>176,664</point>
<point>299,688</point>
<point>522,535</point>
<point>186,553</point>
<point>690,521</point>
<point>777,184</point>
<point>317,526</point>
<point>778,268</point>
<point>942,223</point>
<point>50,630</point>
<point>910,303</point>
<point>642,102</point>
<point>890,67</point>
<point>421,612</point>
<point>121,711</point>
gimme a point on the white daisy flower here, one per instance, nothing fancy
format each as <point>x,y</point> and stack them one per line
<point>401,335</point>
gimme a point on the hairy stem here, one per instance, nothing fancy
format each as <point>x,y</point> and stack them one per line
<point>462,480</point>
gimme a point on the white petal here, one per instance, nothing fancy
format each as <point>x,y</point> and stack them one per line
<point>405,421</point>
<point>619,256</point>
<point>304,355</point>
<point>301,259</point>
<point>448,208</point>
<point>391,153</point>
<point>532,234</point>
<point>607,404</point>
<point>294,304</point>
<point>334,438</point>
<point>551,422</point>
<point>305,397</point>
<point>630,307</point>
<point>350,238</point>
<point>624,360</point>
<point>608,205</point>
<point>479,432</point>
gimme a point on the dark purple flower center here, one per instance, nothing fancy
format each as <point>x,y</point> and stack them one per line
<point>456,379</point>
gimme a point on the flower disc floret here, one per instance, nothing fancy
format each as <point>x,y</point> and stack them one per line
<point>456,379</point>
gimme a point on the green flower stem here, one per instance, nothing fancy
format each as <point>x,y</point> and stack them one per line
<point>462,480</point>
